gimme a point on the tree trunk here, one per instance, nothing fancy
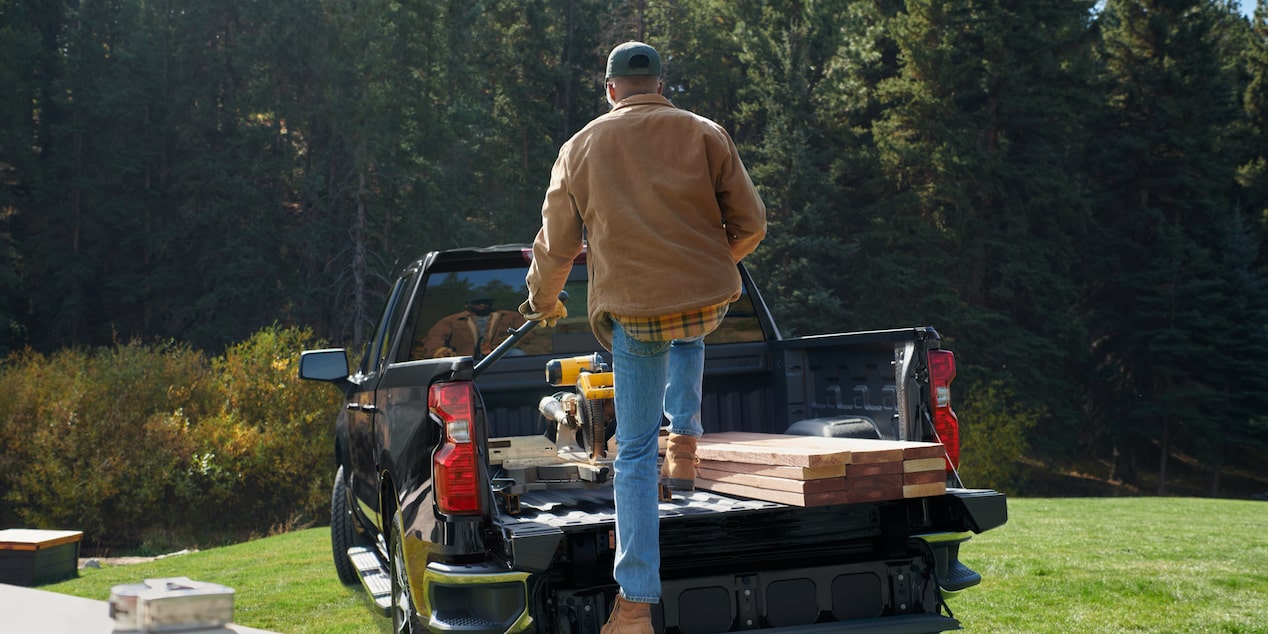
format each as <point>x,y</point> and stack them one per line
<point>360,302</point>
<point>1124,470</point>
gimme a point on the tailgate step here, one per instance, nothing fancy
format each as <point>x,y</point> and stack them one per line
<point>374,577</point>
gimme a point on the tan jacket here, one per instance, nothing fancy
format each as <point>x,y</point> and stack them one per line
<point>667,209</point>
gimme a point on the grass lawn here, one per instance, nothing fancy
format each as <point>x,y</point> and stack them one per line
<point>1121,565</point>
<point>1059,565</point>
<point>283,584</point>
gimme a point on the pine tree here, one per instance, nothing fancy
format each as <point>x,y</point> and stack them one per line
<point>788,51</point>
<point>979,143</point>
<point>1165,192</point>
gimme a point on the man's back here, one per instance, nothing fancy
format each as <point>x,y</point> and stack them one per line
<point>660,191</point>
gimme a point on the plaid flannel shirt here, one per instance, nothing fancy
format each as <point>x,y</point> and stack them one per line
<point>685,325</point>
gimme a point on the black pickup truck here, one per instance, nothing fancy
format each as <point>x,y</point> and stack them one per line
<point>428,513</point>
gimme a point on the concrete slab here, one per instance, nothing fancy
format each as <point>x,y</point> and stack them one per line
<point>32,611</point>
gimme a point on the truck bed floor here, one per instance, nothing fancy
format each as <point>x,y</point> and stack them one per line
<point>585,508</point>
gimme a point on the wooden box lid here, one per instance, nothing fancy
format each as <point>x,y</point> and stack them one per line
<point>35,539</point>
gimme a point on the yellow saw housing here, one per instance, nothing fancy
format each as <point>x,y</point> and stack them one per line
<point>595,386</point>
<point>564,372</point>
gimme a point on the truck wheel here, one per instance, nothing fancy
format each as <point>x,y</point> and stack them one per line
<point>405,619</point>
<point>342,533</point>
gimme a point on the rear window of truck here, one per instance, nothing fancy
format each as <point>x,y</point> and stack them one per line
<point>444,295</point>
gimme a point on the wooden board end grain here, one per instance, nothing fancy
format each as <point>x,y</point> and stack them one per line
<point>925,464</point>
<point>925,477</point>
<point>924,490</point>
<point>868,469</point>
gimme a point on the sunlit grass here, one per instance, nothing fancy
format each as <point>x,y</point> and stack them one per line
<point>1060,565</point>
<point>283,584</point>
<point>1121,565</point>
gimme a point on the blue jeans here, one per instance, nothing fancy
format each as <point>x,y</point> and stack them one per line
<point>650,378</point>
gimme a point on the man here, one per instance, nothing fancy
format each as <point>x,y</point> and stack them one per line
<point>668,209</point>
<point>474,331</point>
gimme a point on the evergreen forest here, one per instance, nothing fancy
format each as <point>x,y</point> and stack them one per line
<point>1073,192</point>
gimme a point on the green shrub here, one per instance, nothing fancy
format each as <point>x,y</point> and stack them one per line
<point>268,451</point>
<point>100,436</point>
<point>993,433</point>
<point>140,442</point>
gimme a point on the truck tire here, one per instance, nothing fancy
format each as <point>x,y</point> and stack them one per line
<point>342,533</point>
<point>405,619</point>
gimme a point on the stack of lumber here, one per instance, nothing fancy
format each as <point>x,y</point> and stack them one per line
<point>815,470</point>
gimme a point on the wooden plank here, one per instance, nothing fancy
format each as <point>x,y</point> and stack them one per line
<point>792,473</point>
<point>808,450</point>
<point>769,453</point>
<point>772,483</point>
<point>913,450</point>
<point>849,495</point>
<point>874,495</point>
<point>925,464</point>
<point>893,482</point>
<point>868,453</point>
<point>874,468</point>
<point>783,497</point>
<point>795,469</point>
<point>862,450</point>
<point>910,449</point>
<point>924,490</point>
<point>924,477</point>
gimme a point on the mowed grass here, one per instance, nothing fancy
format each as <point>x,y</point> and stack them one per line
<point>1121,565</point>
<point>281,584</point>
<point>1059,565</point>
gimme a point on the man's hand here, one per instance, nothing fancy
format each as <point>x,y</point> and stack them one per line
<point>547,318</point>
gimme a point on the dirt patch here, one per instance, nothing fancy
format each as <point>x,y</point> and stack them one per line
<point>101,562</point>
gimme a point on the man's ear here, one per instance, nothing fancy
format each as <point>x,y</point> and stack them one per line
<point>660,87</point>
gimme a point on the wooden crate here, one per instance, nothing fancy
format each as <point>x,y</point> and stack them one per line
<point>814,470</point>
<point>30,557</point>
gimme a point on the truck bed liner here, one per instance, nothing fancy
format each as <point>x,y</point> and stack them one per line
<point>585,508</point>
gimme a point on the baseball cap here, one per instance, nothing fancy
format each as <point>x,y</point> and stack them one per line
<point>633,58</point>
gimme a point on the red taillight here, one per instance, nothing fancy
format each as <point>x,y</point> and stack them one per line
<point>945,423</point>
<point>454,469</point>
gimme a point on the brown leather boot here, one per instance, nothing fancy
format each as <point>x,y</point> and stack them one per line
<point>629,617</point>
<point>679,469</point>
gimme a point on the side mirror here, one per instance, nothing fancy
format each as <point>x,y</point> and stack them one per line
<point>330,365</point>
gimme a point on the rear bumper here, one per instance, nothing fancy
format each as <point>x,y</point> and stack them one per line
<point>979,510</point>
<point>475,599</point>
<point>908,624</point>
